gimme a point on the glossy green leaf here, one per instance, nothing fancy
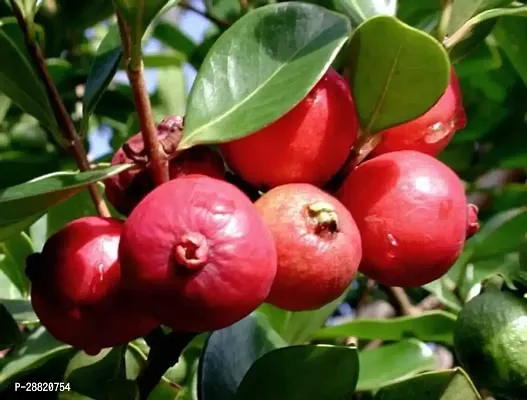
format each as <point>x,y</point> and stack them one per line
<point>10,333</point>
<point>361,10</point>
<point>102,71</point>
<point>18,79</point>
<point>423,15</point>
<point>61,71</point>
<point>38,348</point>
<point>21,310</point>
<point>26,202</point>
<point>464,10</point>
<point>309,372</point>
<point>451,384</point>
<point>297,327</point>
<point>230,352</point>
<point>434,326</point>
<point>502,234</point>
<point>259,69</point>
<point>171,94</point>
<point>510,33</point>
<point>391,363</point>
<point>411,72</point>
<point>13,254</point>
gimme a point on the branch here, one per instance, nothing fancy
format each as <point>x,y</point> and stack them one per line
<point>158,164</point>
<point>404,303</point>
<point>59,109</point>
<point>222,23</point>
<point>446,15</point>
<point>163,354</point>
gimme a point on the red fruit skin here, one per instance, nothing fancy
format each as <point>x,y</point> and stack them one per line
<point>198,254</point>
<point>411,211</point>
<point>75,288</point>
<point>309,144</point>
<point>127,189</point>
<point>431,132</point>
<point>314,268</point>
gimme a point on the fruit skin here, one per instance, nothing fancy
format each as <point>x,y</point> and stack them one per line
<point>431,132</point>
<point>75,287</point>
<point>309,144</point>
<point>127,189</point>
<point>490,339</point>
<point>317,242</point>
<point>197,254</point>
<point>412,214</point>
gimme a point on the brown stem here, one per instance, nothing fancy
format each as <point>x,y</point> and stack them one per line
<point>59,109</point>
<point>404,303</point>
<point>219,22</point>
<point>157,163</point>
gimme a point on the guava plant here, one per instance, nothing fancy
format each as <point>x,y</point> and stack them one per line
<point>336,210</point>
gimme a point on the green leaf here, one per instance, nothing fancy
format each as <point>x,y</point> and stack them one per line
<point>61,71</point>
<point>13,254</point>
<point>259,69</point>
<point>230,352</point>
<point>391,363</point>
<point>436,326</point>
<point>102,71</point>
<point>38,348</point>
<point>18,79</point>
<point>297,327</point>
<point>361,10</point>
<point>510,33</point>
<point>171,94</point>
<point>451,384</point>
<point>99,376</point>
<point>29,8</point>
<point>502,234</point>
<point>10,333</point>
<point>464,10</point>
<point>171,36</point>
<point>27,202</point>
<point>411,72</point>
<point>309,372</point>
<point>21,310</point>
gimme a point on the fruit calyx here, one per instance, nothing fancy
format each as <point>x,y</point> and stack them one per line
<point>324,217</point>
<point>472,220</point>
<point>192,251</point>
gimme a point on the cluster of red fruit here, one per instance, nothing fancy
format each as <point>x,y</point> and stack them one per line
<point>195,254</point>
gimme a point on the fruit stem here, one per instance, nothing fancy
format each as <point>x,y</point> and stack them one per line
<point>403,301</point>
<point>158,165</point>
<point>64,122</point>
<point>164,353</point>
<point>324,216</point>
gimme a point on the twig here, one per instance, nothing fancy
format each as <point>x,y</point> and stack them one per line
<point>430,302</point>
<point>163,355</point>
<point>158,165</point>
<point>59,109</point>
<point>404,303</point>
<point>446,15</point>
<point>222,23</point>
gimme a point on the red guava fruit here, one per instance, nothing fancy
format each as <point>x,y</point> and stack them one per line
<point>128,188</point>
<point>197,254</point>
<point>317,242</point>
<point>75,288</point>
<point>412,214</point>
<point>431,132</point>
<point>309,144</point>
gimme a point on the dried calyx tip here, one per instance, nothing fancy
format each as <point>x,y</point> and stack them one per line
<point>472,220</point>
<point>191,251</point>
<point>324,216</point>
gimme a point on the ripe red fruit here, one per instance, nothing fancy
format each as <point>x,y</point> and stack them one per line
<point>412,214</point>
<point>75,287</point>
<point>317,242</point>
<point>198,254</point>
<point>127,189</point>
<point>431,132</point>
<point>309,144</point>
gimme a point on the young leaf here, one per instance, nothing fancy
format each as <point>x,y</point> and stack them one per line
<point>18,79</point>
<point>361,10</point>
<point>13,254</point>
<point>24,204</point>
<point>450,384</point>
<point>259,69</point>
<point>230,352</point>
<point>411,72</point>
<point>102,71</point>
<point>309,372</point>
<point>434,326</point>
<point>393,362</point>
